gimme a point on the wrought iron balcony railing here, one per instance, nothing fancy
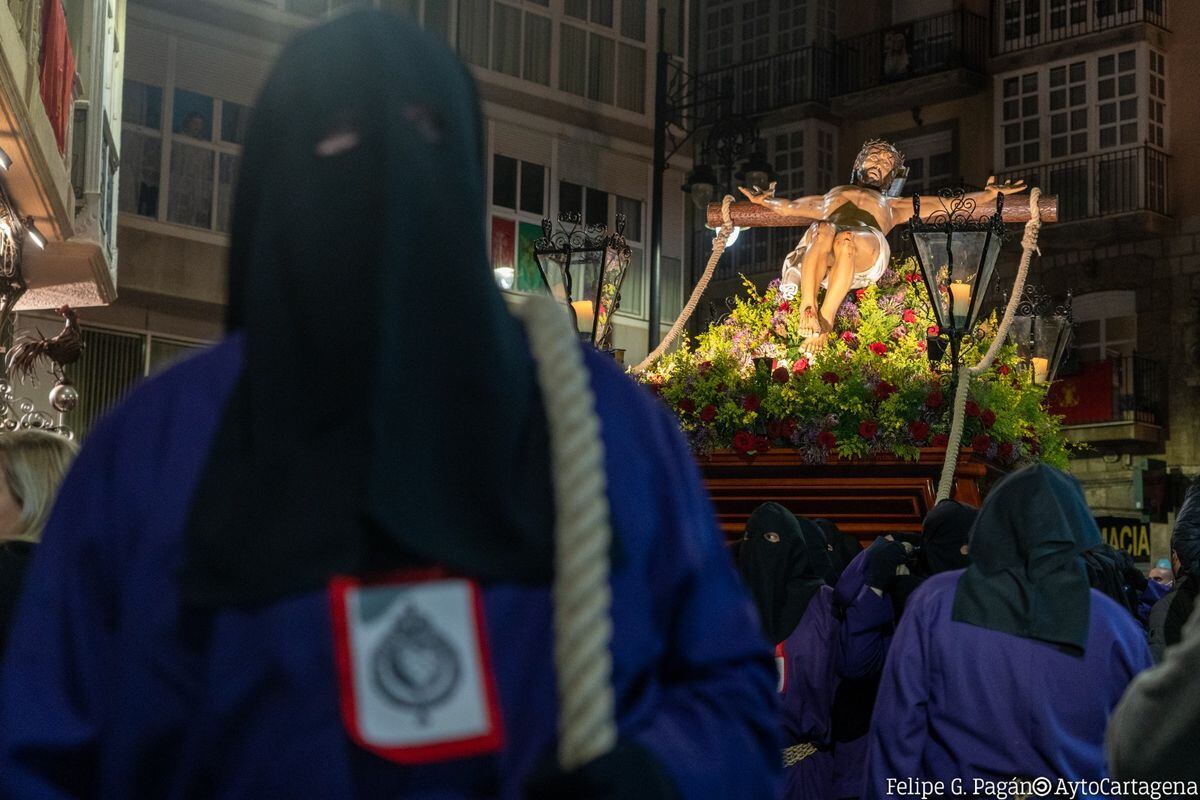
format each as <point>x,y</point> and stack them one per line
<point>1122,389</point>
<point>1120,182</point>
<point>913,49</point>
<point>1021,24</point>
<point>767,84</point>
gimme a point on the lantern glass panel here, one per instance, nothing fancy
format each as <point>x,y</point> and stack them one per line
<point>966,270</point>
<point>1020,333</point>
<point>1052,334</point>
<point>609,298</point>
<point>552,266</point>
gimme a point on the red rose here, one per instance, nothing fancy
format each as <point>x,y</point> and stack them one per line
<point>933,330</point>
<point>878,348</point>
<point>981,443</point>
<point>827,440</point>
<point>858,293</point>
<point>687,405</point>
<point>1003,369</point>
<point>918,430</point>
<point>940,440</point>
<point>830,378</point>
<point>762,444</point>
<point>988,418</point>
<point>799,366</point>
<point>708,413</point>
<point>867,429</point>
<point>751,402</point>
<point>912,277</point>
<point>703,367</point>
<point>780,375</point>
<point>785,306</point>
<point>743,441</point>
<point>909,316</point>
<point>884,390</point>
<point>934,399</point>
<point>848,337</point>
<point>921,346</point>
<point>972,408</point>
<point>1006,451</point>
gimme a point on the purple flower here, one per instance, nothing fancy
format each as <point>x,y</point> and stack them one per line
<point>899,332</point>
<point>774,284</point>
<point>891,304</point>
<point>889,277</point>
<point>848,312</point>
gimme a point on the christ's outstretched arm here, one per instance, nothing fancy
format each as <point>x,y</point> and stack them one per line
<point>812,206</point>
<point>902,208</point>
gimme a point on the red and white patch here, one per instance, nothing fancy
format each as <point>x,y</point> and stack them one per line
<point>781,665</point>
<point>414,674</point>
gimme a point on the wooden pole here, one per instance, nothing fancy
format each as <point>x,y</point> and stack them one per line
<point>751,215</point>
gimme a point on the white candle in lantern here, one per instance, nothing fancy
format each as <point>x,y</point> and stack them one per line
<point>960,296</point>
<point>1041,369</point>
<point>584,315</point>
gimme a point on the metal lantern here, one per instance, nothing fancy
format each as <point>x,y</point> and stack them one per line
<point>583,267</point>
<point>701,185</point>
<point>1042,333</point>
<point>957,255</point>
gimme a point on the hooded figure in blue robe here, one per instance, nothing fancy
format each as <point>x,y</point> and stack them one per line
<point>785,564</point>
<point>1011,667</point>
<point>370,430</point>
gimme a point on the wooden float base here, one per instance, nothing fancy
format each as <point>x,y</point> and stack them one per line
<point>866,497</point>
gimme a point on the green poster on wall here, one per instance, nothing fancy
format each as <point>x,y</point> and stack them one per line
<point>529,279</point>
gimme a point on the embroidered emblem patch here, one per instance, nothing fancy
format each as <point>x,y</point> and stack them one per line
<point>414,673</point>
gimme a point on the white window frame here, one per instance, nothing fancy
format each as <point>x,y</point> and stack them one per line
<point>1102,306</point>
<point>1142,94</point>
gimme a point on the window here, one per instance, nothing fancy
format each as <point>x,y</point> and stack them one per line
<point>1067,14</point>
<point>1020,120</point>
<point>792,25</point>
<point>1068,110</point>
<point>1022,19</point>
<point>719,35</point>
<point>787,156</point>
<point>930,161</point>
<point>518,206</point>
<point>825,148</point>
<point>1158,98</point>
<point>1105,325</point>
<point>1116,89</point>
<point>756,29</point>
<point>473,31</point>
<point>202,155</point>
<point>1103,102</point>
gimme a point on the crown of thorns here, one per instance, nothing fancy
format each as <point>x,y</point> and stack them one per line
<point>878,147</point>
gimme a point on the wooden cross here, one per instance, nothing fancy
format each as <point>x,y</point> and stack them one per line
<point>751,215</point>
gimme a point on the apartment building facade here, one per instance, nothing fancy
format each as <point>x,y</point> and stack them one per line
<point>1074,96</point>
<point>567,93</point>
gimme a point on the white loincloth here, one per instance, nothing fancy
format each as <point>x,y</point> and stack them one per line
<point>789,279</point>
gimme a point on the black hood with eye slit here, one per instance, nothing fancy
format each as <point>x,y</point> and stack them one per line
<point>388,412</point>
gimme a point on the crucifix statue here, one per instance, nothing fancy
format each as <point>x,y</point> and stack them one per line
<point>845,245</point>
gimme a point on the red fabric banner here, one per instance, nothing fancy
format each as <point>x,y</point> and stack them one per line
<point>1086,397</point>
<point>57,63</point>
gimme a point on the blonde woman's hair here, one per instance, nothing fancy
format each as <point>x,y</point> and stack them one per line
<point>33,463</point>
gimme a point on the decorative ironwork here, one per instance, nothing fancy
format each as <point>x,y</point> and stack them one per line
<point>12,242</point>
<point>1035,302</point>
<point>957,210</point>
<point>574,235</point>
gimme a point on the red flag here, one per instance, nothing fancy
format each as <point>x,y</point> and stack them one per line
<point>57,62</point>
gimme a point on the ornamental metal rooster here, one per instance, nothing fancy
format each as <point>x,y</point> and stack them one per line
<point>29,349</point>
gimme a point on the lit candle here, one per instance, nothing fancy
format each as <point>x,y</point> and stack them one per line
<point>584,315</point>
<point>960,294</point>
<point>1041,368</point>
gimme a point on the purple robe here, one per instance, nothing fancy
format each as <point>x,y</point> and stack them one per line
<point>113,688</point>
<point>816,655</point>
<point>962,701</point>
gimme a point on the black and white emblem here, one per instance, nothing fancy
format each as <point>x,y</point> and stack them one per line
<point>415,666</point>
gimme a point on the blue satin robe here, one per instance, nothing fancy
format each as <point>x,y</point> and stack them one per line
<point>112,689</point>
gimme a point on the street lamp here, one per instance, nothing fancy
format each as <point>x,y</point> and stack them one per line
<point>1042,333</point>
<point>586,262</point>
<point>957,255</point>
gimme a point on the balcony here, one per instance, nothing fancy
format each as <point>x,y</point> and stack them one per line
<point>1106,197</point>
<point>56,123</point>
<point>1022,26</point>
<point>924,61</point>
<point>770,84</point>
<point>1115,405</point>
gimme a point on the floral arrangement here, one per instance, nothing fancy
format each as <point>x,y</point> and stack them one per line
<point>748,383</point>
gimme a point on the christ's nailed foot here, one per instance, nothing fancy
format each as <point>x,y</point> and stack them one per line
<point>810,323</point>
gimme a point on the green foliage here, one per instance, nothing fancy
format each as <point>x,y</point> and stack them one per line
<point>749,383</point>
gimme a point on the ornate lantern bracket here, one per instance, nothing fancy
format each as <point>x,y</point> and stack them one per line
<point>1042,333</point>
